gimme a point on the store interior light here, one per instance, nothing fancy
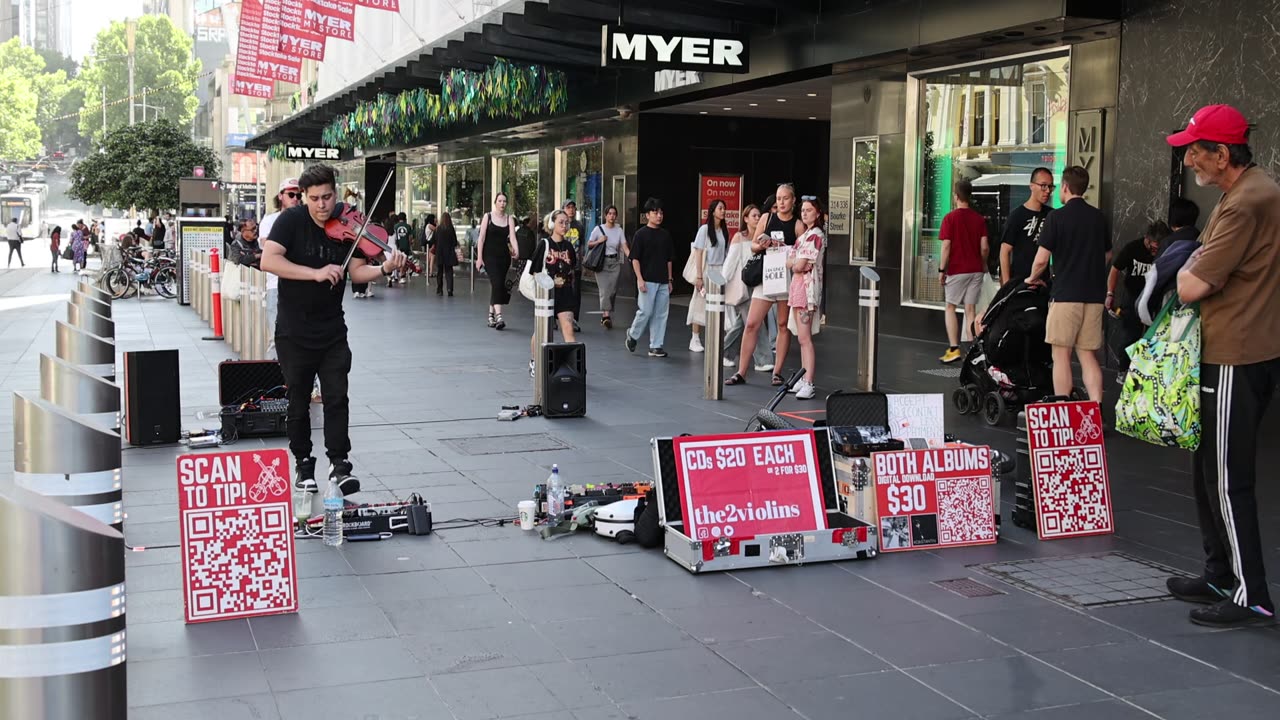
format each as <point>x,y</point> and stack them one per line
<point>702,112</point>
<point>813,117</point>
<point>754,104</point>
<point>812,94</point>
<point>782,99</point>
<point>728,109</point>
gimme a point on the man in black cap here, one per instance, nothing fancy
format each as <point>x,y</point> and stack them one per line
<point>578,236</point>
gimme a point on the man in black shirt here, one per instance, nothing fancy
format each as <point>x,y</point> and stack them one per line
<point>651,252</point>
<point>578,237</point>
<point>1018,242</point>
<point>1134,262</point>
<point>311,331</point>
<point>1076,237</point>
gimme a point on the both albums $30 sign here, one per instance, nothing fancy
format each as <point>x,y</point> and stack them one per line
<point>749,484</point>
<point>940,497</point>
<point>1069,470</point>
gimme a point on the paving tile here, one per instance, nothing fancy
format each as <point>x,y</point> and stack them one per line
<point>568,572</point>
<point>664,673</point>
<point>509,550</point>
<point>153,606</point>
<point>1005,685</point>
<point>185,679</point>
<point>322,563</point>
<point>321,625</point>
<point>1106,710</point>
<point>933,641</point>
<point>338,663</point>
<point>766,619</point>
<point>144,578</point>
<point>625,634</point>
<point>423,584</point>
<point>799,657</point>
<point>245,707</point>
<point>499,693</point>
<point>751,704</point>
<point>1134,668</point>
<point>689,591</point>
<point>514,645</point>
<point>173,639</point>
<point>451,614</point>
<point>567,602</point>
<point>332,591</point>
<point>637,566</point>
<point>878,695</point>
<point>416,553</point>
<point>570,685</point>
<point>404,699</point>
<point>1050,627</point>
<point>1251,652</point>
<point>1243,700</point>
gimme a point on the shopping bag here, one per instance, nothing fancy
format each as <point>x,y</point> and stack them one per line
<point>528,284</point>
<point>690,273</point>
<point>1160,400</point>
<point>593,259</point>
<point>775,273</point>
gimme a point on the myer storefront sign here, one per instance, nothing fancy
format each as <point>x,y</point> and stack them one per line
<point>663,51</point>
<point>306,152</point>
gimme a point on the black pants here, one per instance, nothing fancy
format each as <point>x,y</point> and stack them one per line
<point>359,288</point>
<point>1129,329</point>
<point>16,247</point>
<point>444,278</point>
<point>1233,399</point>
<point>301,366</point>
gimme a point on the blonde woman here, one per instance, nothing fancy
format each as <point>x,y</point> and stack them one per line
<point>738,295</point>
<point>805,298</point>
<point>708,252</point>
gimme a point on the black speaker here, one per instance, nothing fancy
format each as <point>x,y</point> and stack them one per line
<point>153,409</point>
<point>564,380</point>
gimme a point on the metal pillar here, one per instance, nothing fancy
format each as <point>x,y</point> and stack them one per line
<point>87,288</point>
<point>75,390</point>
<point>62,612</point>
<point>61,455</point>
<point>93,353</point>
<point>713,337</point>
<point>544,318</point>
<point>868,328</point>
<point>85,301</point>
<point>84,318</point>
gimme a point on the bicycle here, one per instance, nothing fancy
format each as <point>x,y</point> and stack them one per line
<point>158,273</point>
<point>766,418</point>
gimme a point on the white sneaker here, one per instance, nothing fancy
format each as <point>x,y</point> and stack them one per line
<point>357,295</point>
<point>729,362</point>
<point>764,368</point>
<point>695,344</point>
<point>369,294</point>
<point>805,390</point>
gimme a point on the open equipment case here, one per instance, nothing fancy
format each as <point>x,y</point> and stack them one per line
<point>251,394</point>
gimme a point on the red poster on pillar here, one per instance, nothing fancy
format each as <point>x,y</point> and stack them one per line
<point>941,497</point>
<point>1069,470</point>
<point>237,535</point>
<point>728,188</point>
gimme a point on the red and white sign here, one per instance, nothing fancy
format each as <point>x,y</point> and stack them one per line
<point>301,43</point>
<point>730,189</point>
<point>283,31</point>
<point>941,497</point>
<point>740,486</point>
<point>252,86</point>
<point>392,5</point>
<point>334,18</point>
<point>237,535</point>
<point>1069,470</point>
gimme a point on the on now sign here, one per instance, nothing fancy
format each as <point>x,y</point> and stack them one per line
<point>749,484</point>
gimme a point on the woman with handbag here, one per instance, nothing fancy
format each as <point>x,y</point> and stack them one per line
<point>55,245</point>
<point>556,257</point>
<point>610,242</point>
<point>497,247</point>
<point>446,253</point>
<point>78,243</point>
<point>707,253</point>
<point>737,297</point>
<point>804,260</point>
<point>776,232</point>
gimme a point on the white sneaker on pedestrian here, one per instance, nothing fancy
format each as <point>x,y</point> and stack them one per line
<point>695,344</point>
<point>358,295</point>
<point>805,390</point>
<point>729,362</point>
<point>369,294</point>
<point>764,368</point>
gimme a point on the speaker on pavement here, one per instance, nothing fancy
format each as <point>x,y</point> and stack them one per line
<point>564,382</point>
<point>153,410</point>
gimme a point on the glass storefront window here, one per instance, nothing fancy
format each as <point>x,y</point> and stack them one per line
<point>464,199</point>
<point>580,173</point>
<point>420,191</point>
<point>518,178</point>
<point>862,238</point>
<point>991,124</point>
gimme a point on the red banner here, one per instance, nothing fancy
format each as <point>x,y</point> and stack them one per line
<point>1069,470</point>
<point>728,188</point>
<point>247,38</point>
<point>940,497</point>
<point>333,18</point>
<point>237,535</point>
<point>252,86</point>
<point>392,5</point>
<point>301,43</point>
<point>749,484</point>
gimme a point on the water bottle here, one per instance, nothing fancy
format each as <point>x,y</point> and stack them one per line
<point>555,496</point>
<point>332,514</point>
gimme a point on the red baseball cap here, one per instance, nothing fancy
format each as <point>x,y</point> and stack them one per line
<point>1214,123</point>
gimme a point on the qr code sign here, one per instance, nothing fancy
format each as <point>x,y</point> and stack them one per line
<point>1072,495</point>
<point>238,561</point>
<point>966,512</point>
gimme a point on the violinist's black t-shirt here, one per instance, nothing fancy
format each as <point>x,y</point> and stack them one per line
<point>309,313</point>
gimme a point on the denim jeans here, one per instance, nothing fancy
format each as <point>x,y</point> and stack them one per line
<point>737,318</point>
<point>652,309</point>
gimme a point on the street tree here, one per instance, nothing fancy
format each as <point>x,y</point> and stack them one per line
<point>50,87</point>
<point>163,65</point>
<point>19,134</point>
<point>139,166</point>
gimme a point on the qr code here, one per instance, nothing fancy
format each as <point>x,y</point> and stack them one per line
<point>238,560</point>
<point>965,511</point>
<point>1071,491</point>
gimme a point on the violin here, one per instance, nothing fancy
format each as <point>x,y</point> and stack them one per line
<point>345,227</point>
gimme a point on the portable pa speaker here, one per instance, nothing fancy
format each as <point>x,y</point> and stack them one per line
<point>564,380</point>
<point>153,414</point>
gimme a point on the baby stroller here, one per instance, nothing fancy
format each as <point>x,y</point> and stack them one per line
<point>1009,364</point>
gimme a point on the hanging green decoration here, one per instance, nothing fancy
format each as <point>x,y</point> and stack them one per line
<point>504,90</point>
<point>277,152</point>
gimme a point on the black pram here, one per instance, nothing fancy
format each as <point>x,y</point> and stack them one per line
<point>1009,364</point>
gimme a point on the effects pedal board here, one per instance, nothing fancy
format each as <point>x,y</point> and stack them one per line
<point>410,518</point>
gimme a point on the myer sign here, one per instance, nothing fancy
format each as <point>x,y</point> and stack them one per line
<point>664,51</point>
<point>299,152</point>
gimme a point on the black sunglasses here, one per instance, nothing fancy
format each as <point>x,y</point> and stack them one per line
<point>293,195</point>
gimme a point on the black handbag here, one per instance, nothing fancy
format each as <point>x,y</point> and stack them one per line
<point>753,270</point>
<point>593,260</point>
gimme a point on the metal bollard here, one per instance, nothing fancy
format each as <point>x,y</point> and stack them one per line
<point>93,353</point>
<point>97,306</point>
<point>215,290</point>
<point>85,319</point>
<point>868,329</point>
<point>713,337</point>
<point>93,291</point>
<point>544,317</point>
<point>75,390</point>
<point>62,612</point>
<point>81,469</point>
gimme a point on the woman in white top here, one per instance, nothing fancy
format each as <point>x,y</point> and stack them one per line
<point>737,296</point>
<point>709,249</point>
<point>615,250</point>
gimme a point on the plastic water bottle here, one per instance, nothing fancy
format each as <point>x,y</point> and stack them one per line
<point>555,496</point>
<point>332,514</point>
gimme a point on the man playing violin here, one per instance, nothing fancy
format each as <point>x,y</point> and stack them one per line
<point>311,331</point>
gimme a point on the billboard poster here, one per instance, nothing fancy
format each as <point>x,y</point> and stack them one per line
<point>730,189</point>
<point>244,168</point>
<point>941,497</point>
<point>1069,470</point>
<point>332,18</point>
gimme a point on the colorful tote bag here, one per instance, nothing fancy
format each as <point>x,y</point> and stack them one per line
<point>1160,401</point>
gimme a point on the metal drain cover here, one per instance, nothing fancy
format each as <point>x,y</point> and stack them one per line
<point>1088,580</point>
<point>942,372</point>
<point>968,587</point>
<point>505,444</point>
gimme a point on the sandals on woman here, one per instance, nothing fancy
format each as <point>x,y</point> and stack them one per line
<point>777,380</point>
<point>736,379</point>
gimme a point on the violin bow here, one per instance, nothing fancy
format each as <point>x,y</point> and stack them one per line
<point>367,218</point>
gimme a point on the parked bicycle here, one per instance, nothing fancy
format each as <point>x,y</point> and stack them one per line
<point>156,272</point>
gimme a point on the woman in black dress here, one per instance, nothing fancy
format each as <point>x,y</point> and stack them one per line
<point>555,255</point>
<point>497,247</point>
<point>446,254</point>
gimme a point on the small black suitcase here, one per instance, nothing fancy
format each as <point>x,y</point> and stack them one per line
<point>252,396</point>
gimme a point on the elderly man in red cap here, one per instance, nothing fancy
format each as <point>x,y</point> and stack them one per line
<point>1235,276</point>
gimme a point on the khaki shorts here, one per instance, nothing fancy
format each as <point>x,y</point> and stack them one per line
<point>964,289</point>
<point>1073,324</point>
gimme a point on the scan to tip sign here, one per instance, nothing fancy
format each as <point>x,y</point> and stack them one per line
<point>1069,470</point>
<point>749,484</point>
<point>941,497</point>
<point>237,535</point>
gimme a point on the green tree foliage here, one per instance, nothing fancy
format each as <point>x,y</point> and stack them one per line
<point>19,134</point>
<point>29,67</point>
<point>163,64</point>
<point>139,166</point>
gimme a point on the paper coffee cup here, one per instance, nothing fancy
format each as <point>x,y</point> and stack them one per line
<point>527,509</point>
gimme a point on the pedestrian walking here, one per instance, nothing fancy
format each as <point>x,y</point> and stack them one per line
<point>737,297</point>
<point>777,229</point>
<point>1133,262</point>
<point>79,244</point>
<point>1235,276</point>
<point>578,236</point>
<point>707,252</point>
<point>1076,238</point>
<point>805,296</point>
<point>445,240</point>
<point>1018,243</point>
<point>13,234</point>
<point>963,265</point>
<point>558,258</point>
<point>616,248</point>
<point>651,254</point>
<point>55,246</point>
<point>427,241</point>
<point>402,232</point>
<point>497,248</point>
